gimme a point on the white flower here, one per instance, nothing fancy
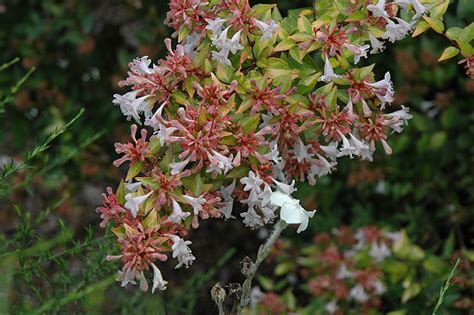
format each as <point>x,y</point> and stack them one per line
<point>177,167</point>
<point>366,109</point>
<point>362,148</point>
<point>358,294</point>
<point>419,9</point>
<point>301,151</point>
<point>132,187</point>
<point>321,167</point>
<point>234,43</point>
<point>378,10</point>
<point>196,203</point>
<point>379,252</point>
<point>190,42</point>
<point>331,149</point>
<point>378,286</point>
<point>398,118</point>
<point>291,212</point>
<point>133,203</point>
<point>383,89</point>
<point>331,307</point>
<point>141,65</point>
<point>221,57</point>
<point>178,215</point>
<point>394,32</point>
<point>267,29</point>
<point>158,281</point>
<point>181,251</point>
<point>221,41</point>
<point>130,105</point>
<point>251,219</point>
<point>285,188</point>
<point>377,46</point>
<point>226,194</point>
<point>343,272</point>
<point>215,25</point>
<point>347,148</point>
<point>359,51</point>
<point>219,163</point>
<point>274,154</point>
<point>164,134</point>
<point>393,236</point>
<point>329,73</point>
<point>252,182</point>
<point>256,295</point>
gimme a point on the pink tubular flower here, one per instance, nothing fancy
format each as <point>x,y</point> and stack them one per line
<point>110,209</point>
<point>135,151</point>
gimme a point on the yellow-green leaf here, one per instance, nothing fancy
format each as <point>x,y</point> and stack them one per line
<point>436,24</point>
<point>421,27</point>
<point>448,53</point>
<point>135,168</point>
<point>284,45</point>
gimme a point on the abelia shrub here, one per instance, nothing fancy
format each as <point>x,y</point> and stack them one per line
<point>367,270</point>
<point>243,106</point>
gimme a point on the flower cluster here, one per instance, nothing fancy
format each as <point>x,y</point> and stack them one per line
<point>353,271</point>
<point>246,104</point>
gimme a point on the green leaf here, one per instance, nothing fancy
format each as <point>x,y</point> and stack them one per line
<point>454,32</point>
<point>120,193</point>
<point>439,9</point>
<point>197,185</point>
<point>260,9</point>
<point>284,45</point>
<point>410,292</point>
<point>421,27</point>
<point>134,170</point>
<point>448,53</point>
<point>436,24</point>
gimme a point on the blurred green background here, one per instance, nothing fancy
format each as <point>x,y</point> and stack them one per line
<point>80,50</point>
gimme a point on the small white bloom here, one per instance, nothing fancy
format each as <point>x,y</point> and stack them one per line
<point>322,167</point>
<point>181,251</point>
<point>130,105</point>
<point>226,194</point>
<point>343,272</point>
<point>141,65</point>
<point>331,307</point>
<point>394,32</point>
<point>285,188</point>
<point>347,148</point>
<point>132,187</point>
<point>256,295</point>
<point>190,42</point>
<point>196,203</point>
<point>378,10</point>
<point>420,9</point>
<point>219,163</point>
<point>301,151</point>
<point>397,119</point>
<point>252,182</point>
<point>158,281</point>
<point>251,219</point>
<point>267,29</point>
<point>377,45</point>
<point>133,203</point>
<point>358,294</point>
<point>379,252</point>
<point>222,57</point>
<point>215,25</point>
<point>178,215</point>
<point>378,286</point>
<point>234,43</point>
<point>164,134</point>
<point>362,148</point>
<point>331,149</point>
<point>359,51</point>
<point>291,211</point>
<point>329,74</point>
<point>177,167</point>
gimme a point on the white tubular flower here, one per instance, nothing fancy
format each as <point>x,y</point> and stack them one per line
<point>379,252</point>
<point>164,134</point>
<point>219,163</point>
<point>420,9</point>
<point>347,148</point>
<point>331,149</point>
<point>285,188</point>
<point>156,119</point>
<point>234,43</point>
<point>362,148</point>
<point>252,182</point>
<point>329,74</point>
<point>196,203</point>
<point>226,194</point>
<point>343,272</point>
<point>177,167</point>
<point>377,46</point>
<point>130,105</point>
<point>322,167</point>
<point>291,211</point>
<point>251,219</point>
<point>358,294</point>
<point>331,307</point>
<point>394,32</point>
<point>132,187</point>
<point>222,57</point>
<point>267,29</point>
<point>178,215</point>
<point>301,151</point>
<point>221,41</point>
<point>397,119</point>
<point>378,10</point>
<point>358,51</point>
<point>181,251</point>
<point>141,65</point>
<point>158,281</point>
<point>133,203</point>
<point>215,25</point>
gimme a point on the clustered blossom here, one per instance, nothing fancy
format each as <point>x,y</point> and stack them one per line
<point>226,119</point>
